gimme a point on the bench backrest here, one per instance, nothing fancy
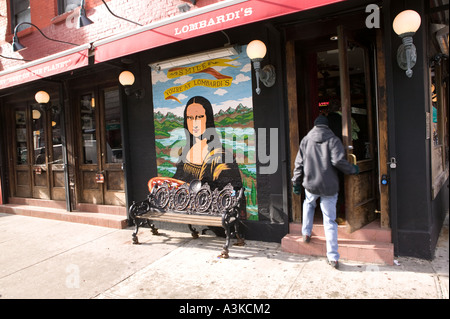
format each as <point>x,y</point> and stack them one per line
<point>195,198</point>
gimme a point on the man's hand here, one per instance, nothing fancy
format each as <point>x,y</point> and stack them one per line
<point>297,189</point>
<point>356,169</point>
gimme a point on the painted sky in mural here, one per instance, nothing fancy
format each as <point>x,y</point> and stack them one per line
<point>226,82</point>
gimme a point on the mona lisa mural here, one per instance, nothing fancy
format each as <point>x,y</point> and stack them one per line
<point>204,124</point>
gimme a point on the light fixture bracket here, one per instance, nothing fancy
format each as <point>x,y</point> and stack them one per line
<point>407,54</point>
<point>138,93</point>
<point>266,74</point>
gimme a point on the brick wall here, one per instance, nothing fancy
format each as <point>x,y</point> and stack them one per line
<point>44,14</point>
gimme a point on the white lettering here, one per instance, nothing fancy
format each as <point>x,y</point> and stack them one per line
<point>196,309</point>
<point>193,26</point>
<point>220,19</point>
<point>272,158</point>
<point>202,24</point>
<point>373,19</point>
<point>230,16</point>
<point>213,21</point>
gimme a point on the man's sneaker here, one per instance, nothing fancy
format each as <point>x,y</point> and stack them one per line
<point>334,264</point>
<point>306,239</point>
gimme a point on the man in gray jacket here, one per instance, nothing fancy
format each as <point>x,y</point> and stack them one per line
<point>320,156</point>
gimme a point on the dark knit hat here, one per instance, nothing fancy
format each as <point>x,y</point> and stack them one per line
<point>321,120</point>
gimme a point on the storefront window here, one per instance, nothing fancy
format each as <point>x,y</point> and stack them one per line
<point>329,102</point>
<point>20,13</point>
<point>112,125</point>
<point>438,124</point>
<point>88,131</point>
<point>38,129</point>
<point>67,5</point>
<point>21,137</point>
<point>56,136</point>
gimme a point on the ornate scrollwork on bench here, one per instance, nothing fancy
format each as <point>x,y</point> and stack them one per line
<point>192,203</point>
<point>194,198</point>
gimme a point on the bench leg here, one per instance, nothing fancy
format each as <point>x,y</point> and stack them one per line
<point>226,224</point>
<point>152,227</point>
<point>194,231</point>
<point>240,240</point>
<point>134,236</point>
<point>224,253</point>
<point>231,219</point>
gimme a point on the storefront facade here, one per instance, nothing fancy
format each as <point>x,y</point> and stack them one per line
<point>97,143</point>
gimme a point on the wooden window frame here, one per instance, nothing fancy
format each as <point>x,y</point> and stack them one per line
<point>439,153</point>
<point>13,20</point>
<point>61,7</point>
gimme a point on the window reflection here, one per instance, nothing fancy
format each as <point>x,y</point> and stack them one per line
<point>88,131</point>
<point>21,137</point>
<point>329,96</point>
<point>38,137</point>
<point>56,136</point>
<point>112,127</point>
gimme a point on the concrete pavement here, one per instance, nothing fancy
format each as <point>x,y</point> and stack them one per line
<point>42,258</point>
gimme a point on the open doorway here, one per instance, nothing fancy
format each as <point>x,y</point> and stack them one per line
<point>334,76</point>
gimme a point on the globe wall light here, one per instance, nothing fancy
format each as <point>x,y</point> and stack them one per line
<point>256,51</point>
<point>42,97</point>
<point>405,24</point>
<point>126,78</point>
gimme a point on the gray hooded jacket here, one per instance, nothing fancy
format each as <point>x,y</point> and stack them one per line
<point>319,157</point>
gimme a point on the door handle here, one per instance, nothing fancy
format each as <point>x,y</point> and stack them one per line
<point>353,158</point>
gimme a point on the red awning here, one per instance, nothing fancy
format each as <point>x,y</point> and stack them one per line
<point>45,67</point>
<point>220,16</point>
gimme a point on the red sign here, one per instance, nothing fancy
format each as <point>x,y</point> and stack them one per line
<point>99,178</point>
<point>44,69</point>
<point>200,22</point>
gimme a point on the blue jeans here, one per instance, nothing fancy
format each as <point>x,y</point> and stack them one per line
<point>328,207</point>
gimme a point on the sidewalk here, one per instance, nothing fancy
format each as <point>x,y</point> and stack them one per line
<point>42,258</point>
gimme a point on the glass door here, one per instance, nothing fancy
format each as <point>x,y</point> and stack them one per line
<point>112,149</point>
<point>20,157</point>
<point>357,131</point>
<point>100,173</point>
<point>37,162</point>
<point>39,152</point>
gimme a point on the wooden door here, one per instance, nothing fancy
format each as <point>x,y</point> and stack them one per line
<point>357,131</point>
<point>55,157</point>
<point>100,171</point>
<point>19,153</point>
<point>36,155</point>
<point>111,147</point>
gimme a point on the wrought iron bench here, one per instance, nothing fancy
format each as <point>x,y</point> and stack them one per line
<point>192,204</point>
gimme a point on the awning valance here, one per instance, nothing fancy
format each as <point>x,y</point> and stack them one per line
<point>45,67</point>
<point>220,16</point>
